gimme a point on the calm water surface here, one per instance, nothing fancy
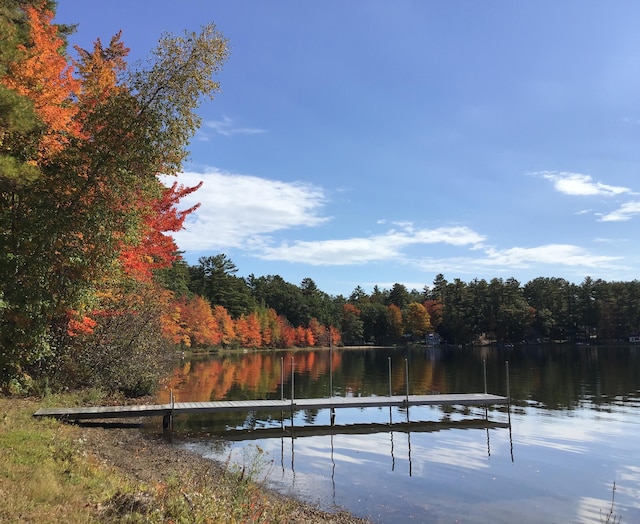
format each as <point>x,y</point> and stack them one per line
<point>574,430</point>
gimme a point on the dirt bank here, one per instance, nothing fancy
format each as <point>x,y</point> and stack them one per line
<point>150,459</point>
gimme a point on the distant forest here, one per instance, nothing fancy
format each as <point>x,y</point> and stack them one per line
<point>502,311</point>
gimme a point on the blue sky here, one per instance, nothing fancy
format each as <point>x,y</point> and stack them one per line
<point>374,142</point>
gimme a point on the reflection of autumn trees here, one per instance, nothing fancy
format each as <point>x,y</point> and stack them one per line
<point>260,374</point>
<point>254,375</point>
<point>557,378</point>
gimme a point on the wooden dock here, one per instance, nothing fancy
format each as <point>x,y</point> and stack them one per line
<point>177,408</point>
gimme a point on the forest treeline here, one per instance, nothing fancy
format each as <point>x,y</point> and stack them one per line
<point>93,290</point>
<point>479,311</point>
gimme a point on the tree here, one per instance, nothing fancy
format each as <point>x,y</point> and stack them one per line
<point>434,308</point>
<point>287,299</point>
<point>44,76</point>
<point>416,320</point>
<point>376,326</point>
<point>80,198</point>
<point>214,278</point>
<point>248,331</point>
<point>200,326</point>
<point>225,328</point>
<point>351,324</point>
<point>394,315</point>
<point>399,296</point>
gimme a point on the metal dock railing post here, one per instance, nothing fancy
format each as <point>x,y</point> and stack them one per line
<point>508,388</point>
<point>292,395</point>
<point>406,377</point>
<point>484,366</point>
<point>292,381</point>
<point>282,391</point>
<point>390,392</point>
<point>330,364</point>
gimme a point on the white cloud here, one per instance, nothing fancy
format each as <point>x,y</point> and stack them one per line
<point>556,254</point>
<point>550,255</point>
<point>243,212</point>
<point>581,185</point>
<point>227,127</point>
<point>361,250</point>
<point>625,212</point>
<point>236,210</point>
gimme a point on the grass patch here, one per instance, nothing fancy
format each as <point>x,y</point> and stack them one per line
<point>46,476</point>
<point>49,475</point>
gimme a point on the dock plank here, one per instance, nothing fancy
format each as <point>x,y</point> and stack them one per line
<point>148,410</point>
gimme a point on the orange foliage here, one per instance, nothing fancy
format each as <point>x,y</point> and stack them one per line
<point>310,339</point>
<point>79,325</point>
<point>287,333</point>
<point>336,336</point>
<point>434,308</point>
<point>156,249</point>
<point>225,329</point>
<point>350,309</point>
<point>198,318</point>
<point>172,326</point>
<point>300,338</point>
<point>269,326</point>
<point>192,322</point>
<point>395,319</point>
<point>99,70</point>
<point>252,337</point>
<point>44,77</point>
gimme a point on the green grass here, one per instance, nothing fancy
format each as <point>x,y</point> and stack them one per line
<point>48,476</point>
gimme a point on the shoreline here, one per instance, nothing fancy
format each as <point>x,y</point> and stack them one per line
<point>149,458</point>
<point>108,471</point>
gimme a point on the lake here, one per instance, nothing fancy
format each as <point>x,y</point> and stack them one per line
<point>572,431</point>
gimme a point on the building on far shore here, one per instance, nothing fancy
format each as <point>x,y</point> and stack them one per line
<point>432,339</point>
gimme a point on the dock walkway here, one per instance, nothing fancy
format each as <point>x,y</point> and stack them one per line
<point>177,408</point>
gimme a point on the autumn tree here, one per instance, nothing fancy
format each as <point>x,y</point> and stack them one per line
<point>416,320</point>
<point>396,325</point>
<point>225,326</point>
<point>82,209</point>
<point>434,308</point>
<point>247,330</point>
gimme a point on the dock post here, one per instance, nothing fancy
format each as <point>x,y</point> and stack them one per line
<point>292,379</point>
<point>330,364</point>
<point>292,418</point>
<point>406,377</point>
<point>508,392</point>
<point>484,365</point>
<point>167,419</point>
<point>390,393</point>
<point>282,391</point>
<point>173,404</point>
<point>281,378</point>
<point>509,410</point>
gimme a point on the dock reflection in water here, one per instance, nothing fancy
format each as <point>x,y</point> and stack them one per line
<point>318,461</point>
<point>574,426</point>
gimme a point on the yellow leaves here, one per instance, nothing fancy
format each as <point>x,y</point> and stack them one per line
<point>100,68</point>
